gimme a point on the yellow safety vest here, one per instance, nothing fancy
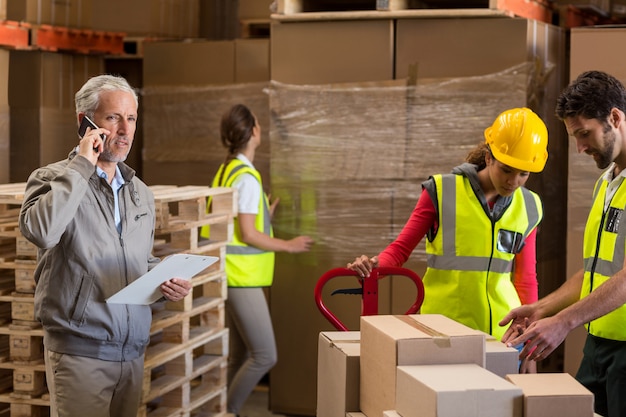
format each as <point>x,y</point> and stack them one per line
<point>246,266</point>
<point>603,255</point>
<point>470,258</point>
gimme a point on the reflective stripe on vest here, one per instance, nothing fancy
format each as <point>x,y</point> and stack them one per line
<point>603,254</point>
<point>469,276</point>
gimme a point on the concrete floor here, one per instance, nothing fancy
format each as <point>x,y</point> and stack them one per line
<point>257,404</point>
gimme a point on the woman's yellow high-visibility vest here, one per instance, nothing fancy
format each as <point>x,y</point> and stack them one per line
<point>470,258</point>
<point>603,255</point>
<point>246,266</point>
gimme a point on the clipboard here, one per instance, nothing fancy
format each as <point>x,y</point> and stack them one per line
<point>145,289</point>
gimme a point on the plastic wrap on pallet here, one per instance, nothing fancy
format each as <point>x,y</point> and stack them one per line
<point>347,161</point>
<point>182,123</point>
<point>182,130</point>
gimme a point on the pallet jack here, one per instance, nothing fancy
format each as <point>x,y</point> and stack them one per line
<point>368,291</point>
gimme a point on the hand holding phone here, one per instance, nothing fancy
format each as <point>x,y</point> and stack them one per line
<point>84,124</point>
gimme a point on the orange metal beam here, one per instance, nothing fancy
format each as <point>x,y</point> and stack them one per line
<point>530,9</point>
<point>57,38</point>
<point>14,34</point>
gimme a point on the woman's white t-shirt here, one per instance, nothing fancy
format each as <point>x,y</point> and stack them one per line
<point>249,190</point>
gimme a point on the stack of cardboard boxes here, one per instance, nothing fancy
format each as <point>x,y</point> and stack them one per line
<point>364,110</point>
<point>431,366</point>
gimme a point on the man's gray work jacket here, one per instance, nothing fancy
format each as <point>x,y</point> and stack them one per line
<point>68,212</point>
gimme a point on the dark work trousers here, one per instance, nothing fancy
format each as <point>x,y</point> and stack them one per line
<point>603,371</point>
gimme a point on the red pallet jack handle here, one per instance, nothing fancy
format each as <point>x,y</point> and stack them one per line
<point>369,285</point>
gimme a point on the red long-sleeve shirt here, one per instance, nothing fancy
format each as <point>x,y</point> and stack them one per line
<point>424,216</point>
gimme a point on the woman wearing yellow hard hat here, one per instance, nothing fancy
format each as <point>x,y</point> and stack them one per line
<point>479,221</point>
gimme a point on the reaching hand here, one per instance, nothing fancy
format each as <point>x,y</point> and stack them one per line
<point>363,265</point>
<point>519,318</point>
<point>300,244</point>
<point>541,338</point>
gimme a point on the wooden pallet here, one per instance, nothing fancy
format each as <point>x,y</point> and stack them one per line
<point>25,346</point>
<point>181,212</point>
<point>287,10</point>
<point>183,207</point>
<point>174,331</point>
<point>23,409</point>
<point>203,402</point>
<point>12,193</point>
<point>24,249</point>
<point>22,309</point>
<point>209,285</point>
<point>29,380</point>
<point>24,277</point>
<point>7,281</point>
<point>16,275</point>
<point>185,368</point>
<point>186,378</point>
<point>16,253</point>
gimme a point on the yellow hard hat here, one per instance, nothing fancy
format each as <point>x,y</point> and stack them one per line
<point>519,139</point>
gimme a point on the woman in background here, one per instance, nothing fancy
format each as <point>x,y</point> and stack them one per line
<point>249,258</point>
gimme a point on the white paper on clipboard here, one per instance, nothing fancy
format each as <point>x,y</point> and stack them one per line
<point>145,289</point>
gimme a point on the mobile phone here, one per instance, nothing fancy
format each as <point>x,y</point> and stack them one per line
<point>84,124</point>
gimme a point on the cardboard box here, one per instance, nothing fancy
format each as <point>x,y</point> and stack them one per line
<point>204,62</point>
<point>49,79</point>
<point>179,63</point>
<point>74,14</point>
<point>254,9</point>
<point>590,49</point>
<point>421,339</point>
<point>464,390</point>
<point>461,47</point>
<point>252,60</point>
<point>501,359</point>
<point>41,93</point>
<point>324,52</point>
<point>160,18</point>
<point>338,373</point>
<point>553,394</point>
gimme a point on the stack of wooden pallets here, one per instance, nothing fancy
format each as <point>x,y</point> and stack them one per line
<point>185,367</point>
<point>26,393</point>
